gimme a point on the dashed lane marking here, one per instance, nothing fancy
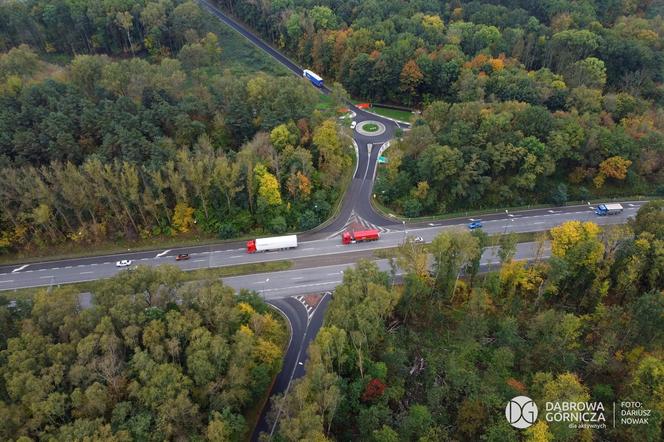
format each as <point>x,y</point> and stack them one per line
<point>6,281</point>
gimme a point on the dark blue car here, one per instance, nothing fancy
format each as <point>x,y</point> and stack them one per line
<point>475,225</point>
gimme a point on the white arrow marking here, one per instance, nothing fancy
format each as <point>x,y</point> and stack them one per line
<point>159,255</point>
<point>20,268</point>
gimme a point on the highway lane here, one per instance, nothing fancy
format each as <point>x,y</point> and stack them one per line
<point>31,277</point>
<point>276,285</point>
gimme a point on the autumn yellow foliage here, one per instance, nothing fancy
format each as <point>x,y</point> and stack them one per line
<point>569,234</point>
<point>183,217</point>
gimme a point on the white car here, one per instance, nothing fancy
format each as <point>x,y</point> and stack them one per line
<point>123,263</point>
<point>418,239</point>
<point>353,124</point>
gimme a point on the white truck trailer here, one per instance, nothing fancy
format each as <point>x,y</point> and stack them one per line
<point>608,209</point>
<point>273,243</point>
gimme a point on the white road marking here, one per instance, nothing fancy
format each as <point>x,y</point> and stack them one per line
<point>19,268</point>
<point>199,260</point>
<point>85,273</point>
<point>297,277</point>
<point>310,248</point>
<point>6,281</point>
<point>159,255</point>
<point>236,256</point>
<point>301,286</point>
<point>44,277</point>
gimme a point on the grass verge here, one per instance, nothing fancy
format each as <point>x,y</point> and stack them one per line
<point>395,114</point>
<point>521,237</point>
<point>239,55</point>
<point>392,113</point>
<point>72,250</point>
<point>386,211</point>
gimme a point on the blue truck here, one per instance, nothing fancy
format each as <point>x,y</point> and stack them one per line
<point>608,209</point>
<point>314,78</point>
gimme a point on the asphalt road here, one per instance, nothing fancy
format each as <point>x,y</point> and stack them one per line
<point>304,324</point>
<point>70,271</point>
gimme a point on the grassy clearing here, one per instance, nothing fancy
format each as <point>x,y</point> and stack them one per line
<point>324,102</point>
<point>392,113</point>
<point>242,57</point>
<point>400,115</point>
<point>193,275</point>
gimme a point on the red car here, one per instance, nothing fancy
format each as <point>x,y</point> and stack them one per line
<point>182,257</point>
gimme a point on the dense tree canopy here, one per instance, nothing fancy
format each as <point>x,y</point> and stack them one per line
<point>150,359</point>
<point>526,100</point>
<point>438,357</point>
<point>404,51</point>
<point>109,146</point>
<point>478,154</point>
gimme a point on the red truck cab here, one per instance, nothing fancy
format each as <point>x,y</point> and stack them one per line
<point>251,246</point>
<point>360,236</point>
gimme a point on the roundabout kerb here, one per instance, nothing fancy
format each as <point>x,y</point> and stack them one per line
<point>370,128</point>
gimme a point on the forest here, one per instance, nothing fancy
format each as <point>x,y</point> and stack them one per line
<point>150,358</point>
<point>123,123</point>
<point>524,102</point>
<point>585,325</point>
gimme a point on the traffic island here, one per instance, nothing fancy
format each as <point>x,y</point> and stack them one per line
<point>370,128</point>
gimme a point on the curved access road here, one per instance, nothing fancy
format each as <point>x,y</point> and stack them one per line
<point>305,321</point>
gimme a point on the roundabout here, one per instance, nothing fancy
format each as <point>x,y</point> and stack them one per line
<point>370,128</point>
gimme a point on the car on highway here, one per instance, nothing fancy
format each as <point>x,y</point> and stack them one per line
<point>353,124</point>
<point>182,257</point>
<point>123,263</point>
<point>418,239</point>
<point>475,225</point>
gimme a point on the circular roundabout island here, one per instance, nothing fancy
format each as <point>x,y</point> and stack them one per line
<point>370,128</point>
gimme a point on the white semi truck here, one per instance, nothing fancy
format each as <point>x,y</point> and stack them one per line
<point>273,243</point>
